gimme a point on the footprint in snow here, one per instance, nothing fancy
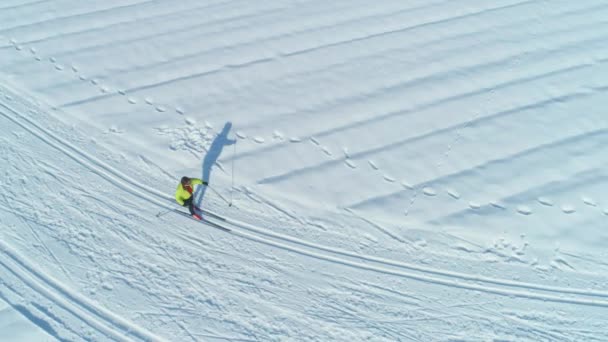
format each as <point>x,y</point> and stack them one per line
<point>372,164</point>
<point>474,205</point>
<point>350,164</point>
<point>545,201</point>
<point>429,191</point>
<point>278,135</point>
<point>58,67</point>
<point>52,59</point>
<point>314,141</point>
<point>522,209</point>
<point>33,50</point>
<point>149,101</point>
<point>180,110</point>
<point>295,140</point>
<point>453,193</point>
<point>161,109</point>
<point>497,204</point>
<point>94,81</point>
<point>389,179</point>
<point>590,202</point>
<point>104,89</point>
<point>568,209</point>
<point>259,140</point>
<point>326,150</point>
<point>241,135</point>
<point>605,211</point>
<point>82,77</point>
<point>74,68</point>
<point>407,185</point>
<point>132,100</point>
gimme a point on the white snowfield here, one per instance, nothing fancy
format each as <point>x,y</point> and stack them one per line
<point>379,170</point>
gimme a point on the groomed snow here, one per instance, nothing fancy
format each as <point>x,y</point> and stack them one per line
<point>397,170</point>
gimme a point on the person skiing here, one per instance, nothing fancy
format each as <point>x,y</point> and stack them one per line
<point>183,194</point>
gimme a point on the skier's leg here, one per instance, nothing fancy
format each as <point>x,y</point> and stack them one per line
<point>189,203</point>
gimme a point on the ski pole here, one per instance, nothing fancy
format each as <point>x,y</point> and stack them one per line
<point>162,213</point>
<point>232,186</point>
<point>220,195</point>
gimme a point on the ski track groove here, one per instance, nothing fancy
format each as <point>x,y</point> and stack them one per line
<point>324,165</point>
<point>86,310</point>
<point>425,106</point>
<point>140,21</point>
<point>75,15</point>
<point>263,236</point>
<point>232,66</point>
<point>488,165</point>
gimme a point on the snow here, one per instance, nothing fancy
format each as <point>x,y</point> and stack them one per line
<point>388,170</point>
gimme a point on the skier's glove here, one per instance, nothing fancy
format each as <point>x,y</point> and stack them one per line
<point>205,183</point>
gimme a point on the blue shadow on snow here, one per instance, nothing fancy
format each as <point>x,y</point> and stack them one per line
<point>211,157</point>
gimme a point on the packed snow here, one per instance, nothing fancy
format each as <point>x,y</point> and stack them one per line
<point>378,170</point>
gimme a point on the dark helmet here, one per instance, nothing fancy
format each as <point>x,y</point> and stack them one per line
<point>185,180</point>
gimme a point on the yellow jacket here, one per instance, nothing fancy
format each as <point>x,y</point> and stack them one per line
<point>182,194</point>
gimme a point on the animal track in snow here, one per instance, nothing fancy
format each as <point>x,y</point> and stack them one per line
<point>522,209</point>
<point>372,164</point>
<point>241,135</point>
<point>545,201</point>
<point>58,67</point>
<point>259,140</point>
<point>350,163</point>
<point>278,135</point>
<point>314,141</point>
<point>407,185</point>
<point>453,193</point>
<point>179,110</point>
<point>429,191</point>
<point>474,205</point>
<point>389,179</point>
<point>345,151</point>
<point>295,140</point>
<point>149,101</point>
<point>588,201</point>
<point>161,109</point>
<point>497,204</point>
<point>568,209</point>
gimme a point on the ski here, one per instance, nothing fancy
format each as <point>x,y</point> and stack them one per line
<point>215,216</point>
<point>203,220</point>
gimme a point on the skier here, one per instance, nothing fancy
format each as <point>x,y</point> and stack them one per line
<point>183,194</point>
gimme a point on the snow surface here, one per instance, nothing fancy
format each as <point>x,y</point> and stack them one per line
<point>399,170</point>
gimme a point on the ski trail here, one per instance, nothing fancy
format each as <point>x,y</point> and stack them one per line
<point>253,233</point>
<point>99,318</point>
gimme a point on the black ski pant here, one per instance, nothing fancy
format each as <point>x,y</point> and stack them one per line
<point>190,204</point>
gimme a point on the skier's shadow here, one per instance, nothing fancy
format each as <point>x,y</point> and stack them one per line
<point>211,157</point>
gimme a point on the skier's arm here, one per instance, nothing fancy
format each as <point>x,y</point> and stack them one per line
<point>178,197</point>
<point>197,181</point>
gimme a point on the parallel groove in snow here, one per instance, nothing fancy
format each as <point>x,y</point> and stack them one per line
<point>453,279</point>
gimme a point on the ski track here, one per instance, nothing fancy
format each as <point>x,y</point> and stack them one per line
<point>334,255</point>
<point>441,180</point>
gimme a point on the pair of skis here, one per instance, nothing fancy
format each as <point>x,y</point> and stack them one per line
<point>203,219</point>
